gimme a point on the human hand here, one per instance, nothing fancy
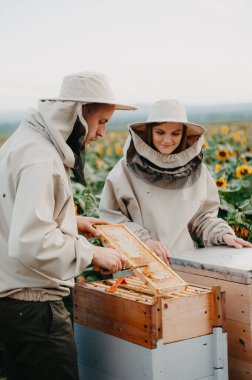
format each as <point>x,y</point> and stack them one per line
<point>160,249</point>
<point>234,241</point>
<point>86,225</point>
<point>107,260</point>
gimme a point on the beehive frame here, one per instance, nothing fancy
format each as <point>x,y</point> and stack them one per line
<point>145,264</point>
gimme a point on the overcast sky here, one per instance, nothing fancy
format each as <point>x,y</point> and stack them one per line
<point>197,51</point>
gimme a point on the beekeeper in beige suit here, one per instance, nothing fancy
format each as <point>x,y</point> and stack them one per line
<point>162,190</point>
<point>41,250</point>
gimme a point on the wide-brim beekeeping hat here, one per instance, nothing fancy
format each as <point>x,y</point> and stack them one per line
<point>170,111</point>
<point>88,87</point>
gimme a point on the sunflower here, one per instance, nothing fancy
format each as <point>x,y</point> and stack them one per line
<point>237,135</point>
<point>218,167</point>
<point>221,182</point>
<point>110,152</point>
<point>241,232</point>
<point>243,170</point>
<point>224,129</point>
<point>244,141</point>
<point>205,144</point>
<point>222,154</point>
<point>99,163</point>
<point>75,209</point>
<point>232,153</point>
<point>100,149</point>
<point>244,159</point>
<point>119,150</point>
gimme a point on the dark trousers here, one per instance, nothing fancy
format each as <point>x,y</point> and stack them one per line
<point>38,340</point>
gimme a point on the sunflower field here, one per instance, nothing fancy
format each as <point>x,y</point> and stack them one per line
<point>227,154</point>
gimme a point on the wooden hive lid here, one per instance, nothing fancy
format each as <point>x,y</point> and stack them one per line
<point>222,262</point>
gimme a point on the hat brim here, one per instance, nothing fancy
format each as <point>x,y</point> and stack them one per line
<point>192,129</point>
<point>122,107</point>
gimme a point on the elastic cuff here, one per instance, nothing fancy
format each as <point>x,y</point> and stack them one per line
<point>220,237</point>
<point>142,235</point>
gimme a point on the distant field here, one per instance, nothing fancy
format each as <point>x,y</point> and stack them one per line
<point>211,128</point>
<point>246,125</point>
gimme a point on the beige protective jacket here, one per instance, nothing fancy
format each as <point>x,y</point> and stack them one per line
<point>40,248</point>
<point>170,211</point>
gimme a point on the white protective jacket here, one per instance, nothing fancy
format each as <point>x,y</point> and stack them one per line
<point>163,204</point>
<point>40,248</point>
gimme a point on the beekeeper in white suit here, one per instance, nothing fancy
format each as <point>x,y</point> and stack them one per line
<point>41,250</point>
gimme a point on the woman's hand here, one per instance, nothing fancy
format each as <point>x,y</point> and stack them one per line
<point>86,225</point>
<point>160,249</point>
<point>107,260</point>
<point>234,241</point>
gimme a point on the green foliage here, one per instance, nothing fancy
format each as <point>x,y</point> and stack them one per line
<point>85,200</point>
<point>229,158</point>
<point>90,275</point>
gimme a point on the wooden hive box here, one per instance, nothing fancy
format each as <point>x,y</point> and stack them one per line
<point>144,318</point>
<point>232,270</point>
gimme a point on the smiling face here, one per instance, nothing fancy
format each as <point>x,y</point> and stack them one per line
<point>96,116</point>
<point>166,137</point>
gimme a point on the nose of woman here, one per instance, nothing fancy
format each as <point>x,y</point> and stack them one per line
<point>167,139</point>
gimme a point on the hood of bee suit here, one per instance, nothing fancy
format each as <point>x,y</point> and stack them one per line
<point>57,116</point>
<point>172,111</point>
<point>151,166</point>
<point>56,119</point>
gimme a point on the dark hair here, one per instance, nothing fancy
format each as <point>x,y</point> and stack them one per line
<point>149,137</point>
<point>182,145</point>
<point>75,142</point>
